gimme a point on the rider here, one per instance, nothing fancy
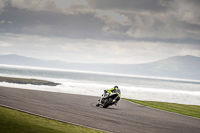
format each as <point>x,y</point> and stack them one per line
<point>113,90</point>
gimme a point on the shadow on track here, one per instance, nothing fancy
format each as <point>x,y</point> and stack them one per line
<point>110,107</point>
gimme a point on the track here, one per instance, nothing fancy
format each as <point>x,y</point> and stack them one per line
<point>126,117</point>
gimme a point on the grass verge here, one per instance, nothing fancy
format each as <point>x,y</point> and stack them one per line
<point>190,110</point>
<point>13,121</point>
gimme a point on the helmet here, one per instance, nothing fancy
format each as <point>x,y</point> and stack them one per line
<point>116,87</point>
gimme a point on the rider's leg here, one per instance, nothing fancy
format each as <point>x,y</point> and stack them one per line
<point>105,93</point>
<point>117,101</point>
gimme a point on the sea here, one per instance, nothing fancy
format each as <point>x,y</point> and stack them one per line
<point>94,83</point>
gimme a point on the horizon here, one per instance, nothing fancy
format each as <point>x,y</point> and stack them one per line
<point>98,73</point>
<point>106,31</point>
<point>95,63</point>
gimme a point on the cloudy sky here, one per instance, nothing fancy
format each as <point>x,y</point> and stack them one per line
<point>100,31</point>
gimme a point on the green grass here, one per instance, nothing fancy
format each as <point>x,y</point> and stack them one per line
<point>12,121</point>
<point>190,110</point>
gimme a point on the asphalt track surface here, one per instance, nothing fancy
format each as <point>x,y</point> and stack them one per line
<point>127,117</point>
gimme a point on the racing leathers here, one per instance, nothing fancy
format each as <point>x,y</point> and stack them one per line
<point>113,90</point>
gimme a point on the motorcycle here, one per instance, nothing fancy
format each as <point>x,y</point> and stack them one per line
<point>107,100</point>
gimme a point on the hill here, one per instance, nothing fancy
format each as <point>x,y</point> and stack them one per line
<point>183,67</point>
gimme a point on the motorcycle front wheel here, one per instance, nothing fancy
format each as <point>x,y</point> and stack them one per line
<point>97,104</point>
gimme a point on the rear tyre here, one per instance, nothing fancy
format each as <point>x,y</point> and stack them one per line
<point>109,102</point>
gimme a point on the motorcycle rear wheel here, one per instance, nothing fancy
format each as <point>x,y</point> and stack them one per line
<point>108,102</point>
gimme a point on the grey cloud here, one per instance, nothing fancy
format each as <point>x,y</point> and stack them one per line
<point>195,2</point>
<point>148,20</point>
<point>189,26</point>
<point>34,5</point>
<point>2,5</point>
<point>141,5</point>
<point>50,24</point>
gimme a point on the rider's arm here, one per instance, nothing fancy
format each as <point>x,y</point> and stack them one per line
<point>110,89</point>
<point>119,94</point>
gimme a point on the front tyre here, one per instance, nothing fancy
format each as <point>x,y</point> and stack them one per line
<point>108,102</point>
<point>97,104</point>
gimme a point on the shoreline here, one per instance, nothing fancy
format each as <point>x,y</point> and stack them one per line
<point>27,81</point>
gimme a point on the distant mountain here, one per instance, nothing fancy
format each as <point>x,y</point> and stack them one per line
<point>183,67</point>
<point>20,60</point>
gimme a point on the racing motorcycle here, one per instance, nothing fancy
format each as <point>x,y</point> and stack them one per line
<point>107,100</point>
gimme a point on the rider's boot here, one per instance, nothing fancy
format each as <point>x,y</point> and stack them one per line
<point>116,103</point>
